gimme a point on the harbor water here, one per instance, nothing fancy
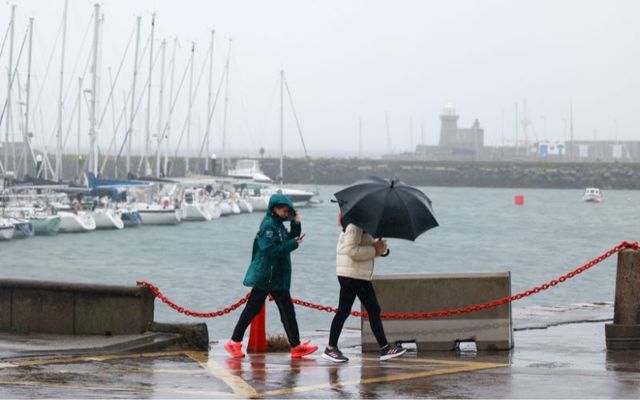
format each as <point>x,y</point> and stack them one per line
<point>200,265</point>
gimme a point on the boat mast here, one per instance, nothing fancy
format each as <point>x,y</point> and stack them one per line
<point>26,112</point>
<point>571,130</point>
<point>226,102</point>
<point>386,123</point>
<point>281,126</point>
<point>160,104</point>
<point>166,139</point>
<point>132,114</point>
<point>360,137</point>
<point>9,84</point>
<point>209,111</point>
<point>79,125</point>
<point>58,171</point>
<point>186,159</point>
<point>93,154</point>
<point>148,121</point>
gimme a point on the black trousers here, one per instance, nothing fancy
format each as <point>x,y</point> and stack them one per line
<point>349,289</point>
<point>253,307</point>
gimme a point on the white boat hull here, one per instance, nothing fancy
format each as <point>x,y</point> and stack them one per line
<point>245,206</point>
<point>159,217</point>
<point>259,203</point>
<point>229,207</point>
<point>75,223</point>
<point>6,232</point>
<point>107,219</point>
<point>195,212</point>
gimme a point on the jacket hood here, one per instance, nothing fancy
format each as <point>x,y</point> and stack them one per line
<point>280,200</point>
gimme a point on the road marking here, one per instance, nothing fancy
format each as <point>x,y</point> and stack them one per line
<point>239,386</point>
<point>460,367</point>
<point>70,360</point>
<point>134,389</point>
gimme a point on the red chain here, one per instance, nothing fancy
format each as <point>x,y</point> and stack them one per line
<point>420,315</point>
<point>186,311</point>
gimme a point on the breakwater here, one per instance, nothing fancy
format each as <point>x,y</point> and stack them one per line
<point>340,171</point>
<point>462,174</point>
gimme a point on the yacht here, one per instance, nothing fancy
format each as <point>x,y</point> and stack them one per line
<point>248,169</point>
<point>592,195</point>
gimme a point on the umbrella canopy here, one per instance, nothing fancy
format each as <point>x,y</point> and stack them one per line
<point>386,208</point>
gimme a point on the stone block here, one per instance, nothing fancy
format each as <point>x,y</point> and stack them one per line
<point>5,309</point>
<point>491,329</point>
<point>46,311</point>
<point>104,314</point>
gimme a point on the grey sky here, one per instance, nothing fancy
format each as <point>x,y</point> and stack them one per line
<point>351,59</point>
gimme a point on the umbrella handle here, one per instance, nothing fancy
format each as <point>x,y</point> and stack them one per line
<point>386,253</point>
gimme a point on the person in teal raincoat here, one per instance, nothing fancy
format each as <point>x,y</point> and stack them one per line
<point>270,273</point>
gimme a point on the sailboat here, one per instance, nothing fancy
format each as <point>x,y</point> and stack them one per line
<point>261,187</point>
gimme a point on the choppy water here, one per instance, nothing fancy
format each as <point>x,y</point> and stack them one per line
<point>201,265</point>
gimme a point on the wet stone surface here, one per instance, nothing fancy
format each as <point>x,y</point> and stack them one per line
<point>566,361</point>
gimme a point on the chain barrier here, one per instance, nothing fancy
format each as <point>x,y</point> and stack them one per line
<point>419,315</point>
<point>154,289</point>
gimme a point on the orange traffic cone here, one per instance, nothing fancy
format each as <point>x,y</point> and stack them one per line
<point>258,333</point>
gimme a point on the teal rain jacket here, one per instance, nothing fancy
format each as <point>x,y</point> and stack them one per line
<point>270,267</point>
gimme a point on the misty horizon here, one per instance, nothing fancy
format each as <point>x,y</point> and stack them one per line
<point>344,62</point>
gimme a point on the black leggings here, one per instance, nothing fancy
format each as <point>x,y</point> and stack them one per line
<point>253,307</point>
<point>349,289</point>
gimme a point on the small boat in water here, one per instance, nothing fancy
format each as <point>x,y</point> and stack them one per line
<point>194,207</point>
<point>592,195</point>
<point>6,229</point>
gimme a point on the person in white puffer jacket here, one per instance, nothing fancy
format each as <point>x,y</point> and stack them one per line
<point>355,255</point>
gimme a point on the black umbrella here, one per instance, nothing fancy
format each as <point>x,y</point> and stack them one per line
<point>386,208</point>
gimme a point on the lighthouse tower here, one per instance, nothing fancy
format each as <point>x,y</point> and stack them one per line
<point>448,126</point>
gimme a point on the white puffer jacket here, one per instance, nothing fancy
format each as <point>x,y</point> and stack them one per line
<point>355,254</point>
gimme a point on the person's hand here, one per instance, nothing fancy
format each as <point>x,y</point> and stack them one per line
<point>380,247</point>
<point>300,239</point>
<point>297,219</point>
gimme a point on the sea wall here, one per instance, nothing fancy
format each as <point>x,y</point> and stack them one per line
<point>340,171</point>
<point>475,174</point>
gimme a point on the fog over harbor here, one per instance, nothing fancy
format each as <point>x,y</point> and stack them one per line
<point>344,61</point>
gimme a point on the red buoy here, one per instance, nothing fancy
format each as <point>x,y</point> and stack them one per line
<point>519,200</point>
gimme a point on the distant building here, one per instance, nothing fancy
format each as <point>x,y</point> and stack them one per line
<point>459,141</point>
<point>603,150</point>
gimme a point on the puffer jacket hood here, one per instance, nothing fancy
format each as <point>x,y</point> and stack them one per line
<point>279,199</point>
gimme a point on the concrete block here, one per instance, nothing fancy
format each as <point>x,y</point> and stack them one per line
<point>491,329</point>
<point>74,308</point>
<point>622,337</point>
<point>5,309</point>
<point>42,311</point>
<point>627,301</point>
<point>103,314</point>
<point>624,333</point>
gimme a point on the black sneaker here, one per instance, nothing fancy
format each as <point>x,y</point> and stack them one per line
<point>391,351</point>
<point>334,355</point>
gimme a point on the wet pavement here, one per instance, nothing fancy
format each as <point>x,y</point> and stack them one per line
<point>564,361</point>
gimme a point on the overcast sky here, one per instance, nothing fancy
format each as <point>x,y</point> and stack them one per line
<point>346,60</point>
